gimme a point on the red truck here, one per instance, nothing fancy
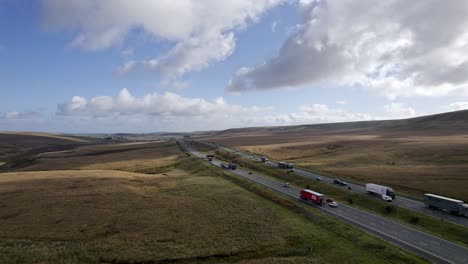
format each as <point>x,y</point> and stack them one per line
<point>315,197</point>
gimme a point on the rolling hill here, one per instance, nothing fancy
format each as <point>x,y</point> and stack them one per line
<point>438,124</point>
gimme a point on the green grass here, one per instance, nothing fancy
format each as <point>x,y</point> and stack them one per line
<point>193,213</point>
<point>449,231</point>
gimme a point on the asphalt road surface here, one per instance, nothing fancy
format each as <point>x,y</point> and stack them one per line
<point>433,248</point>
<point>404,202</point>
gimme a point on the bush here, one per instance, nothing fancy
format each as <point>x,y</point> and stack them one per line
<point>350,200</point>
<point>389,209</point>
<point>307,186</point>
<point>414,220</point>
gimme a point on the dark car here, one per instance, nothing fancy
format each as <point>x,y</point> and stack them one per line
<point>340,182</point>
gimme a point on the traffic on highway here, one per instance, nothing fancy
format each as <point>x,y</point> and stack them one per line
<point>411,204</point>
<point>423,244</point>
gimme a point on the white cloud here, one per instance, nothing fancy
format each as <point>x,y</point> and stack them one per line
<point>341,102</point>
<point>193,54</point>
<point>19,115</point>
<point>166,105</point>
<point>393,49</point>
<point>457,106</point>
<point>399,110</point>
<point>309,114</point>
<point>152,112</point>
<point>201,32</point>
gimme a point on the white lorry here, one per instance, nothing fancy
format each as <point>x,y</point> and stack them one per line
<point>383,192</point>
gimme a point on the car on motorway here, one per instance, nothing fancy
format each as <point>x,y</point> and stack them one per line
<point>386,198</point>
<point>340,182</point>
<point>286,185</point>
<point>319,178</point>
<point>331,202</point>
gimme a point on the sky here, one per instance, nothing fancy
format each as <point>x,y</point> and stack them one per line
<point>123,66</point>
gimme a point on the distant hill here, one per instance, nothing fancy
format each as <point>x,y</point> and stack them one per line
<point>15,143</point>
<point>445,123</point>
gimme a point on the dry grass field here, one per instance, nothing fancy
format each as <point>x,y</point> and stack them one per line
<point>103,216</point>
<point>43,135</point>
<point>413,156</point>
<point>15,143</point>
<point>136,157</point>
<point>88,205</point>
<point>128,216</point>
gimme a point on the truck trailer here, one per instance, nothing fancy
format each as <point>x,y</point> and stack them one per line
<point>229,166</point>
<point>309,195</point>
<point>285,165</point>
<point>380,190</point>
<point>264,159</point>
<point>456,207</point>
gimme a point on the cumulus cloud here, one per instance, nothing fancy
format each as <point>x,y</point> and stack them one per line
<point>395,48</point>
<point>309,114</point>
<point>399,110</point>
<point>152,112</point>
<point>201,32</point>
<point>457,106</point>
<point>165,105</point>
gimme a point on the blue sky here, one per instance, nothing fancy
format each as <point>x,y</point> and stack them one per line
<point>122,66</point>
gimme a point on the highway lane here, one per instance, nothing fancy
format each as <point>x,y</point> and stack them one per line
<point>428,246</point>
<point>404,202</point>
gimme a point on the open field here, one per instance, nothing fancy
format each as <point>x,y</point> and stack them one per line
<point>16,143</point>
<point>136,157</point>
<point>427,154</point>
<point>184,215</point>
<point>43,135</point>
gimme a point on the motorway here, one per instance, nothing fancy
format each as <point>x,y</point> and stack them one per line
<point>434,249</point>
<point>404,202</point>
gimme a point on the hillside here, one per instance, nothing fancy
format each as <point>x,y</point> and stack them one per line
<point>16,143</point>
<point>416,155</point>
<point>445,123</point>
